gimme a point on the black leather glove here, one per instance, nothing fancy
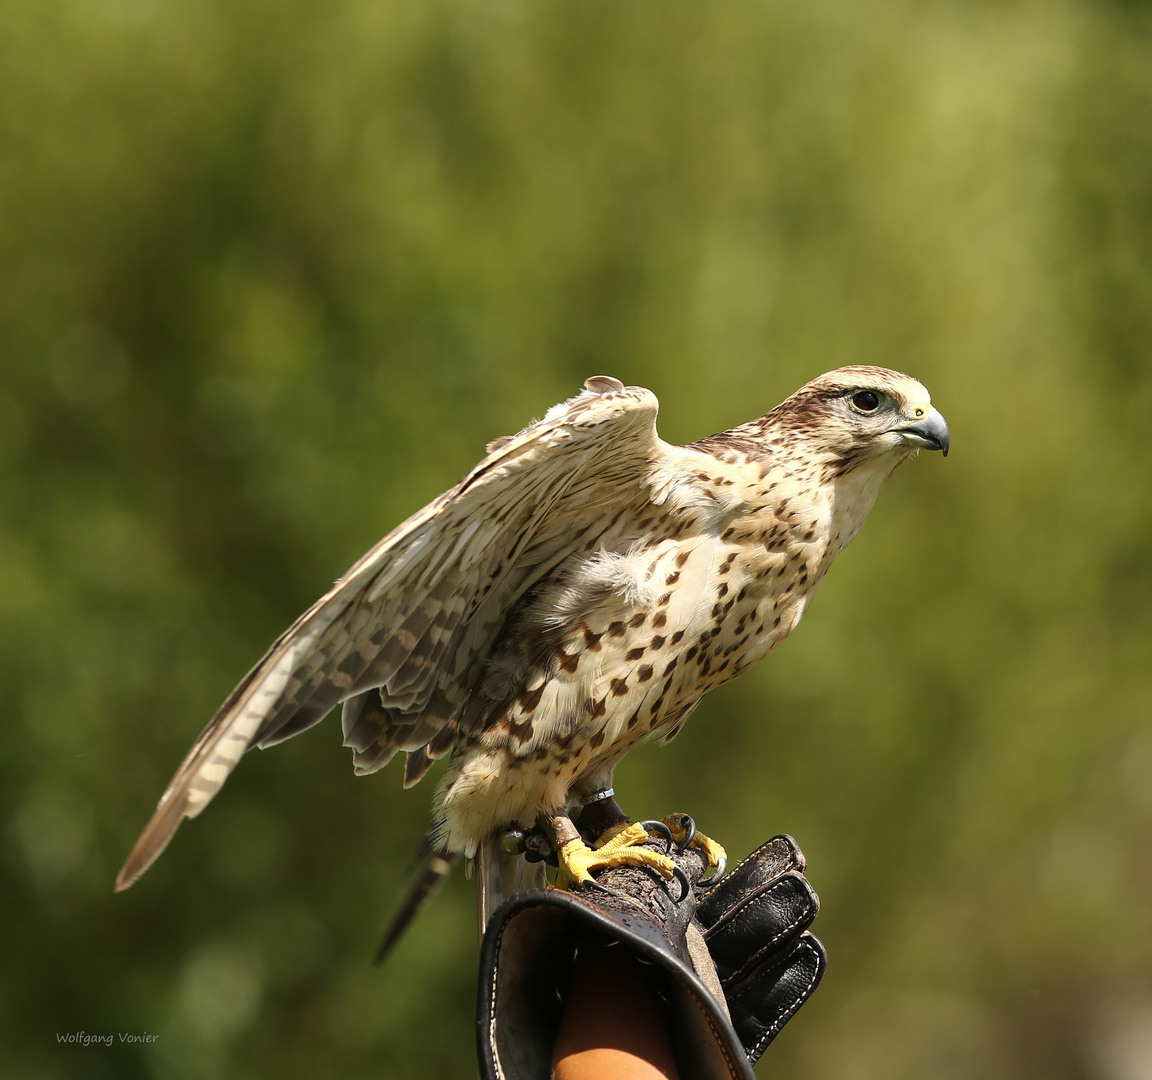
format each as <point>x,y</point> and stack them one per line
<point>755,923</point>
<point>734,959</point>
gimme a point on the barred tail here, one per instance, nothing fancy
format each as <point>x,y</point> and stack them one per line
<point>428,880</point>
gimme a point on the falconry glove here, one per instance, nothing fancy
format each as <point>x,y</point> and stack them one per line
<point>755,927</point>
<point>732,960</point>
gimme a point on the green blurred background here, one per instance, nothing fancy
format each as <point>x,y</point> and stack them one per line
<point>271,274</point>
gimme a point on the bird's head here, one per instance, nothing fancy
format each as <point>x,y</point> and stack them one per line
<point>854,414</point>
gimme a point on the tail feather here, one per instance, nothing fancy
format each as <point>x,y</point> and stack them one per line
<point>428,880</point>
<point>518,874</point>
<point>500,875</point>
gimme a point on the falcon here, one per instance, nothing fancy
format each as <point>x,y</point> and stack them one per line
<point>577,593</point>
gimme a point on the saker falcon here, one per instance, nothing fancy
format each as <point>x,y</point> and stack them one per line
<point>577,593</point>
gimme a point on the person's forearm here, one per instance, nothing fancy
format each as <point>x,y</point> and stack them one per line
<point>614,1025</point>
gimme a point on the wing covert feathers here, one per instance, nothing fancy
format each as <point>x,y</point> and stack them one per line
<point>404,634</point>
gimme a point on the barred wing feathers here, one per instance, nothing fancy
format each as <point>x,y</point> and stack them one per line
<point>404,634</point>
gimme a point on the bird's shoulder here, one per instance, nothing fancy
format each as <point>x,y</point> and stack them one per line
<point>739,477</point>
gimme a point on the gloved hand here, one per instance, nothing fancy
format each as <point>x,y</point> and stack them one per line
<point>755,923</point>
<point>731,961</point>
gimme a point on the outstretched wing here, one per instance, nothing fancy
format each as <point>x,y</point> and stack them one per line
<point>404,634</point>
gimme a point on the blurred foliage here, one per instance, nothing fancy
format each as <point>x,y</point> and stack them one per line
<point>271,274</point>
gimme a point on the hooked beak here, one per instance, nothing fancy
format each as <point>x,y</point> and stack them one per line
<point>930,432</point>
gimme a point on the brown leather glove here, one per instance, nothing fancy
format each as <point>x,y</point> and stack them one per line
<point>731,960</point>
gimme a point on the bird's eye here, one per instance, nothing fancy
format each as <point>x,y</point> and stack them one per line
<point>866,401</point>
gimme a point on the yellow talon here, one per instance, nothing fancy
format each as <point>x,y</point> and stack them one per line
<point>619,846</point>
<point>713,852</point>
<point>626,834</point>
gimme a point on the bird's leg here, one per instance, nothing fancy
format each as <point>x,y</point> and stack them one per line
<point>598,817</point>
<point>620,846</point>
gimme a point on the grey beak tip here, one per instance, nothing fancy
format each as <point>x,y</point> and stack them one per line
<point>933,429</point>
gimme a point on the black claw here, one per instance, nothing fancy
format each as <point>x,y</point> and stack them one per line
<point>718,873</point>
<point>662,829</point>
<point>685,884</point>
<point>688,824</point>
<point>594,884</point>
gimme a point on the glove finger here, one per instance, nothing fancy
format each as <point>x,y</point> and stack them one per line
<point>771,859</point>
<point>770,995</point>
<point>762,924</point>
